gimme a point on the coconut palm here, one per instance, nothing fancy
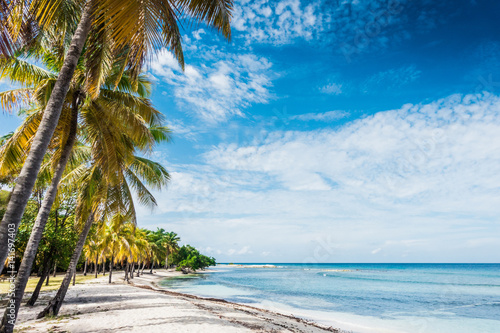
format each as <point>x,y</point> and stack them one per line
<point>127,103</point>
<point>128,30</point>
<point>170,243</point>
<point>109,183</point>
<point>117,239</point>
<point>131,107</point>
<point>158,252</point>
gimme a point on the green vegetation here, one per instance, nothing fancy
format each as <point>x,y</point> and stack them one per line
<point>4,199</point>
<point>88,125</point>
<point>189,258</point>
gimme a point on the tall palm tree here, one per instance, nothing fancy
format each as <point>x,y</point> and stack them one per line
<point>140,124</point>
<point>114,172</point>
<point>129,105</point>
<point>117,239</point>
<point>171,244</point>
<point>127,29</point>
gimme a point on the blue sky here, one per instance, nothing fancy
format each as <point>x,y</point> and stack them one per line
<point>335,131</point>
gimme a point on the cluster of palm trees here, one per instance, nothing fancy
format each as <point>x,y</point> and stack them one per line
<point>134,249</point>
<point>89,125</point>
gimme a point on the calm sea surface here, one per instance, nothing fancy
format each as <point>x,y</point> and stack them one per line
<point>364,297</point>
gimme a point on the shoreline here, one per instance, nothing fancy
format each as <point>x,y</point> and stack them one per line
<point>96,306</point>
<point>153,286</point>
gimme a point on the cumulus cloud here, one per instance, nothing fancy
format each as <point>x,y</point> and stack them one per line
<point>220,88</point>
<point>419,180</point>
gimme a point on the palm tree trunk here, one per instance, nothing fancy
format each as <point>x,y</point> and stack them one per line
<point>143,264</point>
<point>54,271</point>
<point>55,304</point>
<point>48,276</point>
<point>126,272</point>
<point>74,278</point>
<point>45,275</point>
<point>85,267</point>
<point>24,271</point>
<point>95,265</point>
<point>29,172</point>
<point>111,267</point>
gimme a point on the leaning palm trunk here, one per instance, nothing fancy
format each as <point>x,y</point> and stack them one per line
<point>24,272</point>
<point>45,275</point>
<point>29,171</point>
<point>55,304</point>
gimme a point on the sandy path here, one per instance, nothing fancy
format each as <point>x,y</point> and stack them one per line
<point>97,306</point>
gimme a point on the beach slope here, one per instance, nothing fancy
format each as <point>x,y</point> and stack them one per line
<point>96,306</point>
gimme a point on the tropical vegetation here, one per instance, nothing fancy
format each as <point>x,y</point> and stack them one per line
<point>80,157</point>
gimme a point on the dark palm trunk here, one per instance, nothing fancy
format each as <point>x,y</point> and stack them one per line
<point>111,267</point>
<point>48,276</point>
<point>95,266</point>
<point>29,172</point>
<point>55,304</point>
<point>45,275</point>
<point>54,271</point>
<point>85,268</point>
<point>74,278</point>
<point>24,271</point>
<point>143,265</point>
<point>126,272</point>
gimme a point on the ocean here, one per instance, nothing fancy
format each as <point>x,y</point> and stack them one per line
<point>438,298</point>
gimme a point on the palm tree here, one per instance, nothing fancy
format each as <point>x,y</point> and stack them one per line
<point>128,29</point>
<point>131,105</point>
<point>125,104</point>
<point>170,242</point>
<point>117,239</point>
<point>108,183</point>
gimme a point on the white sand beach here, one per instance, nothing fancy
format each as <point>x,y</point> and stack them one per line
<point>96,306</point>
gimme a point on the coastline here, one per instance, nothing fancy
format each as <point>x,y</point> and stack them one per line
<point>96,306</point>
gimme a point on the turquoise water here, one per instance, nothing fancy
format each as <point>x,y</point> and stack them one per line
<point>364,297</point>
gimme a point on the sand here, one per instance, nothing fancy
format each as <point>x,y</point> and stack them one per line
<point>96,306</point>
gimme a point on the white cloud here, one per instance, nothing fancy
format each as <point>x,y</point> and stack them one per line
<point>332,89</point>
<point>421,183</point>
<point>244,250</point>
<point>292,20</point>
<point>197,34</point>
<point>220,88</point>
<point>391,79</point>
<point>325,116</point>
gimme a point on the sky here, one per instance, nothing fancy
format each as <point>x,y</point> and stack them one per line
<point>334,131</point>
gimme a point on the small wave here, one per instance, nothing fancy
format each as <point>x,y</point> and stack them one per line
<point>413,282</point>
